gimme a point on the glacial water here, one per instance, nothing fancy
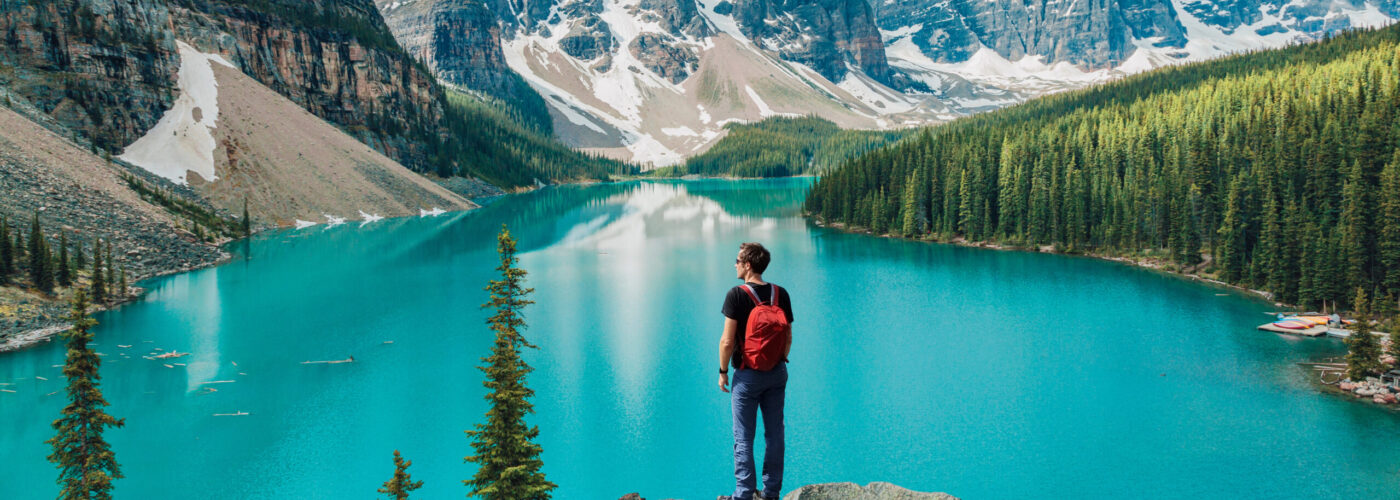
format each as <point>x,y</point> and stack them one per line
<point>986,374</point>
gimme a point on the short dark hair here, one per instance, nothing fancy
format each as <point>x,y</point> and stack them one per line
<point>755,255</point>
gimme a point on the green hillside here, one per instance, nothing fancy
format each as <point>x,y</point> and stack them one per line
<point>492,142</point>
<point>1275,170</point>
<point>780,147</point>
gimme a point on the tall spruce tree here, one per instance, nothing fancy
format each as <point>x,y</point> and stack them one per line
<point>7,253</point>
<point>1364,352</point>
<point>247,222</point>
<point>65,273</point>
<point>18,246</point>
<point>1231,234</point>
<point>1389,237</point>
<point>79,260</point>
<point>509,461</point>
<point>402,483</point>
<point>99,280</point>
<point>40,262</point>
<point>111,266</point>
<point>121,284</point>
<point>85,461</point>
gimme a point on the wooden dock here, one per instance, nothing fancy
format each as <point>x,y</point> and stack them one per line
<point>1316,331</point>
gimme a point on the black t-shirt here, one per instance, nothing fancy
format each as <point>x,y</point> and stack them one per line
<point>738,305</point>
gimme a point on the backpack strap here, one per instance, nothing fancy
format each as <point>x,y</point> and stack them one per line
<point>748,289</point>
<point>775,294</point>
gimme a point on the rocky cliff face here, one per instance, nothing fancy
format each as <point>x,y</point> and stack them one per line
<point>335,58</point>
<point>826,35</point>
<point>460,41</point>
<point>102,68</point>
<point>667,52</point>
<point>106,68</point>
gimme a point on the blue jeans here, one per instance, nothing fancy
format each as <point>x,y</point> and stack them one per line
<point>754,390</point>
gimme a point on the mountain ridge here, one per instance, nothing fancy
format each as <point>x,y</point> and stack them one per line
<point>880,64</point>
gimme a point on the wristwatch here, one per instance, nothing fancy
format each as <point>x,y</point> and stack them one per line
<point>723,371</point>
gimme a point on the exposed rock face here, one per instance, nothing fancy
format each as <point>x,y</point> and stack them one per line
<point>588,39</point>
<point>354,76</point>
<point>678,17</point>
<point>1091,33</point>
<point>460,41</point>
<point>853,491</point>
<point>671,53</point>
<point>666,59</point>
<point>1086,33</point>
<point>106,68</point>
<point>1152,18</point>
<point>528,14</point>
<point>823,34</point>
<point>103,68</point>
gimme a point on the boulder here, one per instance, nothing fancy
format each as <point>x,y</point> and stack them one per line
<point>1346,386</point>
<point>853,491</point>
<point>1378,399</point>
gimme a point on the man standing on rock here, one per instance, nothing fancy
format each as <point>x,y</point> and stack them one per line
<point>756,341</point>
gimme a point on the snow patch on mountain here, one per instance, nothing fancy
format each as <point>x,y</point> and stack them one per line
<point>182,141</point>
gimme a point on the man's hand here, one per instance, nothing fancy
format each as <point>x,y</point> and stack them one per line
<point>724,382</point>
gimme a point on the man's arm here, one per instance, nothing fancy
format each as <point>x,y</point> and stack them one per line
<point>726,349</point>
<point>788,349</point>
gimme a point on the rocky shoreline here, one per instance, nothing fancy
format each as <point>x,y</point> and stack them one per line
<point>847,491</point>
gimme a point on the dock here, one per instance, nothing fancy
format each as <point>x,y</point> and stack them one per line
<point>1316,331</point>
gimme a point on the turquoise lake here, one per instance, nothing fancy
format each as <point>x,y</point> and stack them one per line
<point>985,374</point>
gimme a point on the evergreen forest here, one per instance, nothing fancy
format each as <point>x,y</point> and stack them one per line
<point>494,144</point>
<point>1275,170</point>
<point>785,146</point>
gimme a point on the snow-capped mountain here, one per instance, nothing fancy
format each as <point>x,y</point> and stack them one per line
<point>654,81</point>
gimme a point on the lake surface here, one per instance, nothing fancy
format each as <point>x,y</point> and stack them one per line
<point>981,373</point>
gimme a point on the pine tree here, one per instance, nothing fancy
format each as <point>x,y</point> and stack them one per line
<point>1231,234</point>
<point>79,260</point>
<point>40,273</point>
<point>1395,340</point>
<point>18,247</point>
<point>509,462</point>
<point>1390,224</point>
<point>247,222</point>
<point>111,265</point>
<point>85,461</point>
<point>99,281</point>
<point>913,222</point>
<point>1354,228</point>
<point>402,483</point>
<point>121,285</point>
<point>7,254</point>
<point>1364,353</point>
<point>65,274</point>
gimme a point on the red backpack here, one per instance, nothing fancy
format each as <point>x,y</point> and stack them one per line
<point>767,333</point>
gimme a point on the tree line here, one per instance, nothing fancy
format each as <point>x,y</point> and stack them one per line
<point>32,263</point>
<point>509,464</point>
<point>494,144</point>
<point>784,146</point>
<point>1276,170</point>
